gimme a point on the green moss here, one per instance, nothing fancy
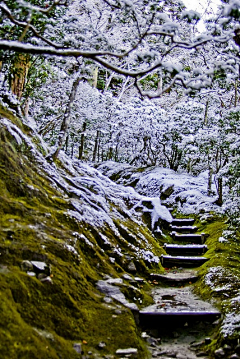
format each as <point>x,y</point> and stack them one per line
<point>213,232</point>
<point>66,309</point>
<point>11,115</point>
<point>17,337</point>
<point>225,283</point>
<point>44,320</point>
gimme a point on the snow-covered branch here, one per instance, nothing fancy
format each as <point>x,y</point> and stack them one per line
<point>26,26</point>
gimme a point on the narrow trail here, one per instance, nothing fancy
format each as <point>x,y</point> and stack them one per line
<point>179,324</point>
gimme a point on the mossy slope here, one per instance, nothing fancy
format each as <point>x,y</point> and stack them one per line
<point>219,279</point>
<point>43,219</point>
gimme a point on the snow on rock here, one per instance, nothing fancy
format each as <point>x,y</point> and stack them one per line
<point>231,320</point>
<point>157,210</point>
<point>149,256</point>
<point>222,240</point>
<point>223,281</point>
<point>230,324</point>
<point>189,193</point>
<point>214,275</point>
<point>93,200</point>
<point>160,211</point>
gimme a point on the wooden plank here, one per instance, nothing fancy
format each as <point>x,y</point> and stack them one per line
<point>171,261</point>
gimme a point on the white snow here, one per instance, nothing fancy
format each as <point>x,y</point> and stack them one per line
<point>188,191</point>
<point>222,240</point>
<point>93,199</point>
<point>231,324</point>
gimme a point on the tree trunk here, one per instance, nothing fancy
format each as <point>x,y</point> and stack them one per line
<point>189,165</point>
<point>95,77</point>
<point>81,147</point>
<point>123,88</point>
<point>72,148</point>
<point>98,152</point>
<point>66,118</point>
<point>210,175</point>
<point>160,84</point>
<point>108,81</point>
<point>96,144</point>
<point>116,152</point>
<point>66,143</point>
<point>206,113</point>
<point>110,153</point>
<point>235,93</point>
<point>219,201</point>
<point>26,107</point>
<point>19,72</point>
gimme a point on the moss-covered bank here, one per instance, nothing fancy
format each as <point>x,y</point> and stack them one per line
<point>219,280</point>
<point>38,222</point>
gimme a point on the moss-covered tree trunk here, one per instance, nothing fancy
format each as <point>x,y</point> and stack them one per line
<point>19,73</point>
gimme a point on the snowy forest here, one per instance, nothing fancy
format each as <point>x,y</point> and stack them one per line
<point>107,106</point>
<point>139,83</point>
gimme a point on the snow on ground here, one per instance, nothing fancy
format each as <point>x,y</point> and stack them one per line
<point>187,192</point>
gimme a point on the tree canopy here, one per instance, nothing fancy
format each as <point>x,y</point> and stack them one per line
<point>131,38</point>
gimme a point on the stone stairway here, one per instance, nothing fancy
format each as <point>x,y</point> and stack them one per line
<point>178,305</point>
<point>184,255</point>
<point>190,250</point>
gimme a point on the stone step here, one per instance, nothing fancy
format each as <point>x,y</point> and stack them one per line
<point>176,277</point>
<point>173,319</point>
<point>183,221</point>
<point>185,249</point>
<point>190,238</point>
<point>184,229</point>
<point>173,305</point>
<point>180,261</point>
